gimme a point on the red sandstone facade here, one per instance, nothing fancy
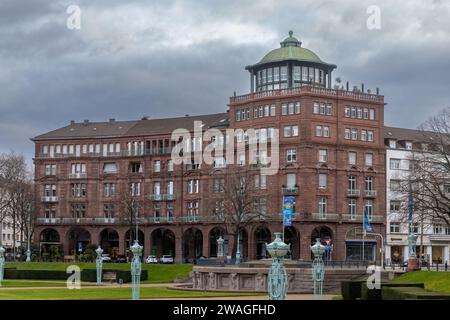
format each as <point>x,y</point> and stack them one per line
<point>76,165</point>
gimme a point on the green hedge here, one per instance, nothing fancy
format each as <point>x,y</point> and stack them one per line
<point>408,293</point>
<point>88,275</point>
<point>351,290</point>
<point>375,294</point>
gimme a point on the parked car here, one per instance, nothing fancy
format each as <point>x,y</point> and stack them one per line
<point>166,259</point>
<point>106,258</point>
<point>151,259</point>
<point>121,259</point>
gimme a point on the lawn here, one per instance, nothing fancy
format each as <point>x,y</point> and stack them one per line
<point>434,281</point>
<point>25,283</point>
<point>107,293</point>
<point>157,273</point>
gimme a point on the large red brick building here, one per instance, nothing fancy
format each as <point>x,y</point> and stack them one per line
<point>332,160</point>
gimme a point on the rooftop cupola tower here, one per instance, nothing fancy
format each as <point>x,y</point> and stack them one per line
<point>289,66</point>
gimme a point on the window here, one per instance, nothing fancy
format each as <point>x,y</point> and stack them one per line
<point>157,166</point>
<point>291,155</point>
<point>437,228</point>
<point>109,189</point>
<point>352,183</point>
<point>359,113</point>
<point>319,131</point>
<point>368,183</point>
<point>394,163</point>
<point>291,131</point>
<point>326,131</point>
<point>192,207</point>
<point>272,110</point>
<point>394,206</point>
<point>322,181</point>
<point>394,227</point>
<point>347,111</point>
<point>193,186</point>
<point>219,162</point>
<point>372,114</point>
<point>394,185</point>
<point>78,190</point>
<point>329,109</point>
<point>297,107</point>
<point>291,180</point>
<point>408,145</point>
<point>291,108</point>
<point>266,110</point>
<point>108,210</point>
<point>323,205</point>
<point>263,181</point>
<point>353,112</point>
<point>316,107</point>
<point>135,189</point>
<point>368,159</point>
<point>50,169</point>
<point>323,155</point>
<point>354,134</point>
<point>322,108</point>
<point>109,168</point>
<point>347,134</point>
<point>352,158</point>
<point>366,113</point>
<point>369,209</point>
<point>170,165</point>
<point>238,115</point>
<point>392,144</point>
<point>363,135</point>
<point>78,210</point>
<point>219,185</point>
<point>50,190</point>
<point>370,136</point>
<point>352,208</point>
<point>284,109</point>
<point>135,167</point>
<point>78,168</point>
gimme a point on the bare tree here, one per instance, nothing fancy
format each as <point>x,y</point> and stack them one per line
<point>237,202</point>
<point>428,180</point>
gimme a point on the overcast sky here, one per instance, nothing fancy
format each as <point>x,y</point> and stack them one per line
<point>169,58</point>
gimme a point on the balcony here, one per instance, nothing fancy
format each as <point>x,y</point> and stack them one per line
<point>190,167</point>
<point>158,151</point>
<point>78,175</point>
<point>370,193</point>
<point>49,199</point>
<point>156,197</point>
<point>331,93</point>
<point>169,219</point>
<point>189,219</point>
<point>325,216</point>
<point>290,191</point>
<point>170,197</point>
<point>48,220</point>
<point>353,193</point>
<point>106,220</point>
<point>359,218</point>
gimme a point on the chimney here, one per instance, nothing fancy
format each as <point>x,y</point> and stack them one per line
<point>378,91</point>
<point>347,85</point>
<point>362,87</point>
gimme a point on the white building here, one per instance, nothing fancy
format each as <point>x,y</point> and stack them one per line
<point>6,234</point>
<point>434,236</point>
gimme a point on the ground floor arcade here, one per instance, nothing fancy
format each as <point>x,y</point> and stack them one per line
<point>186,242</point>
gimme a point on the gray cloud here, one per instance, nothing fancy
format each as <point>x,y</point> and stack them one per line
<point>168,58</point>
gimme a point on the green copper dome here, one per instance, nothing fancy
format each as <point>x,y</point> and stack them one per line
<point>290,50</point>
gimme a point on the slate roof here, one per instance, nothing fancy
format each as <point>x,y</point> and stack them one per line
<point>110,129</point>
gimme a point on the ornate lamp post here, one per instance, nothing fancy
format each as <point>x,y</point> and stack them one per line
<point>136,249</point>
<point>99,265</point>
<point>277,280</point>
<point>220,242</point>
<point>2,263</point>
<point>238,251</point>
<point>317,268</point>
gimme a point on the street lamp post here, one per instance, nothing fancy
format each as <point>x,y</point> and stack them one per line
<point>238,251</point>
<point>2,263</point>
<point>99,265</point>
<point>220,242</point>
<point>277,278</point>
<point>317,268</point>
<point>136,249</point>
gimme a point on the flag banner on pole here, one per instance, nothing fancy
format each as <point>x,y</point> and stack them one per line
<point>367,226</point>
<point>288,209</point>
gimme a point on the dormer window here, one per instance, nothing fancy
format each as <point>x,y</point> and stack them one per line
<point>408,145</point>
<point>392,144</point>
